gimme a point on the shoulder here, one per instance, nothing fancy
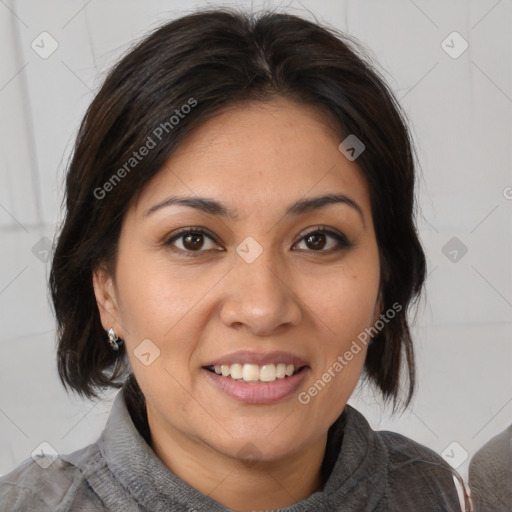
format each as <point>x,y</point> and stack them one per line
<point>490,473</point>
<point>417,477</point>
<point>418,470</point>
<point>496,453</point>
<point>44,488</point>
<point>405,452</point>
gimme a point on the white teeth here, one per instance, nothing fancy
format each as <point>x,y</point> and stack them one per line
<point>250,372</point>
<point>268,373</point>
<point>236,371</point>
<point>253,372</point>
<point>281,370</point>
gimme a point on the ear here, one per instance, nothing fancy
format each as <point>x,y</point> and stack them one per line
<point>107,301</point>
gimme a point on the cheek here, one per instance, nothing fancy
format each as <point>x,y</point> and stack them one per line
<point>344,307</point>
<point>346,300</point>
<point>156,306</point>
<point>154,294</point>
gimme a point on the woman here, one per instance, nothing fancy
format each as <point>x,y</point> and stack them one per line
<point>238,249</point>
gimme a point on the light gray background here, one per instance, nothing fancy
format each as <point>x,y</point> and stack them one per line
<point>460,112</point>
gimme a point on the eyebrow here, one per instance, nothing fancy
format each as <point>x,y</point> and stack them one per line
<point>214,207</point>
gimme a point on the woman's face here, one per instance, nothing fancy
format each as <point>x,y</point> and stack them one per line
<point>254,292</point>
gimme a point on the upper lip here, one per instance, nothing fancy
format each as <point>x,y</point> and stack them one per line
<point>259,358</point>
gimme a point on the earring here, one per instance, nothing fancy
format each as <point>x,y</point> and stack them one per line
<point>113,340</point>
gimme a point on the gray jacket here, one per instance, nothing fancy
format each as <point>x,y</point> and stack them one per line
<point>490,474</point>
<point>364,470</point>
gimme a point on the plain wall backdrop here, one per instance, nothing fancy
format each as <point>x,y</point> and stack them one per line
<point>54,55</point>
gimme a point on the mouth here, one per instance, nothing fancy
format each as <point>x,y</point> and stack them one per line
<point>248,372</point>
<point>257,378</point>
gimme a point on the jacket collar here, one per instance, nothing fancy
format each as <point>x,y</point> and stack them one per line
<point>357,480</point>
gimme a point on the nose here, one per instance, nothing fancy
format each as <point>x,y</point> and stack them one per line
<point>259,296</point>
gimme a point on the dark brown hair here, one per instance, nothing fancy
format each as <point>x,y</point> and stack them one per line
<point>218,57</point>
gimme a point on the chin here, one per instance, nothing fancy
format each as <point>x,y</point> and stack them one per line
<point>253,446</point>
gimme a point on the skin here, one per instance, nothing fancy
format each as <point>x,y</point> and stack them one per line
<point>296,296</point>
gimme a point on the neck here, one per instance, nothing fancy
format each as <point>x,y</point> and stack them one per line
<point>237,484</point>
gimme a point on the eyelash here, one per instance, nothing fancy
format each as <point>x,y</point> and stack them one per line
<point>343,242</point>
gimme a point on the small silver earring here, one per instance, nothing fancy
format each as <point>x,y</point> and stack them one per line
<point>113,340</point>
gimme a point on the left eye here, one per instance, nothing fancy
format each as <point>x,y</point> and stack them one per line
<point>317,239</point>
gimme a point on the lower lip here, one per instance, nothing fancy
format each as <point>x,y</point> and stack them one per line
<point>258,392</point>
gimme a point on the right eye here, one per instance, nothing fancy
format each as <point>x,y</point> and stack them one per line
<point>192,241</point>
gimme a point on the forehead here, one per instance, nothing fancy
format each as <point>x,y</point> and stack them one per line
<point>257,156</point>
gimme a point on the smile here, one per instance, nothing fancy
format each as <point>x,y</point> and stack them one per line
<point>253,389</point>
<point>253,372</point>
